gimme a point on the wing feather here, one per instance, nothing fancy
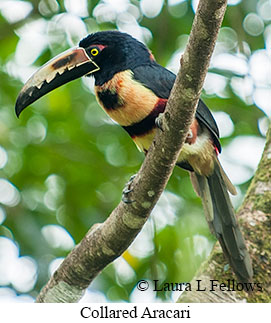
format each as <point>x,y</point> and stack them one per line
<point>160,80</point>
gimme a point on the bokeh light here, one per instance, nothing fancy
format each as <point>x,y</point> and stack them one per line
<point>9,194</point>
<point>14,11</point>
<point>253,24</point>
<point>151,8</point>
<point>20,272</point>
<point>57,237</point>
<point>2,215</point>
<point>3,157</point>
<point>225,124</point>
<point>235,157</point>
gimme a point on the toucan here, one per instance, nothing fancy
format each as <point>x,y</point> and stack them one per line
<point>133,89</point>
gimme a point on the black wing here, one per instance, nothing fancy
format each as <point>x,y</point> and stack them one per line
<point>156,78</point>
<point>160,81</point>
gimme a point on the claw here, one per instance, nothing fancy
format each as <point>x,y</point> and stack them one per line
<point>190,134</point>
<point>190,137</point>
<point>159,121</point>
<point>127,190</point>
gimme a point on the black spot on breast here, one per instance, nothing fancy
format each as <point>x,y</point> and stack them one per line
<point>110,100</point>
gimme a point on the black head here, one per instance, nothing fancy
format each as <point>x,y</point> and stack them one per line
<point>102,54</point>
<point>113,52</point>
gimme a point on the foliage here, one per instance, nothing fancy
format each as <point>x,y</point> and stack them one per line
<point>64,164</point>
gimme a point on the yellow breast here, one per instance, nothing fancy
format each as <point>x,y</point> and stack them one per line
<point>135,101</point>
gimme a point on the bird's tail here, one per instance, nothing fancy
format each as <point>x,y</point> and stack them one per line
<point>219,212</point>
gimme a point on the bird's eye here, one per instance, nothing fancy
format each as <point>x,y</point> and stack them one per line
<point>94,52</point>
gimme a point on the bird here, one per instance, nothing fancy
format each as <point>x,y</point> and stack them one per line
<point>133,90</point>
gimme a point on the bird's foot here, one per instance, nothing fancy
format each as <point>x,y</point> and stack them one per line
<point>159,121</point>
<point>127,190</point>
<point>190,137</point>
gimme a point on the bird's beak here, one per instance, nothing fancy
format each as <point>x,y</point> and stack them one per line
<point>64,68</point>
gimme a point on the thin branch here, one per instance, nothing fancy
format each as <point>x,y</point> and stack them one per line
<point>105,242</point>
<point>255,218</point>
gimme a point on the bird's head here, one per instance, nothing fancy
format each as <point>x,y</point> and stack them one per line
<point>102,54</point>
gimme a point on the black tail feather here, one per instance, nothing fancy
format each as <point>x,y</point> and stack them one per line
<point>222,221</point>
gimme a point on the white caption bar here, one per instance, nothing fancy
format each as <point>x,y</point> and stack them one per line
<point>157,312</point>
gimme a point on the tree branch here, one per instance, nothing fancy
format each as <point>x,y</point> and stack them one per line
<point>105,242</point>
<point>255,219</point>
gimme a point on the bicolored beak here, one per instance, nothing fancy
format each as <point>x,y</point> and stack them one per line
<point>62,69</point>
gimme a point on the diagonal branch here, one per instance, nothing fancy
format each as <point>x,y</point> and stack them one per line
<point>105,242</point>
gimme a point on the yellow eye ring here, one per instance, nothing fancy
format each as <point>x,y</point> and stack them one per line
<point>94,52</point>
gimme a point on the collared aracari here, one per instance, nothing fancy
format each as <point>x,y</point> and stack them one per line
<point>133,90</point>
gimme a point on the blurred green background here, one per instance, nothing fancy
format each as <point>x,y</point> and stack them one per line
<point>64,163</point>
